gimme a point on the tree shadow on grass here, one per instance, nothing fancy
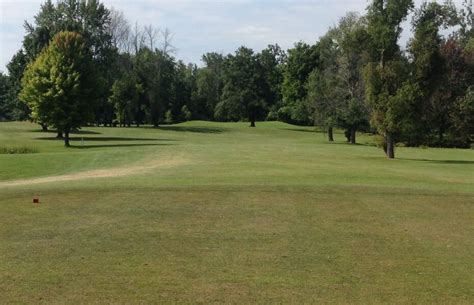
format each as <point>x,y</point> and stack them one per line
<point>105,139</point>
<point>350,144</point>
<point>214,130</point>
<point>458,162</point>
<point>116,145</point>
<point>304,130</point>
<point>74,132</point>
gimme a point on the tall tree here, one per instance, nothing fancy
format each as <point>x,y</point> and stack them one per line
<point>242,95</point>
<point>302,60</point>
<point>4,102</point>
<point>352,37</point>
<point>209,82</point>
<point>459,55</point>
<point>59,84</point>
<point>384,73</point>
<point>92,20</point>
<point>429,67</point>
<point>324,94</point>
<point>125,98</point>
<point>466,23</point>
<point>155,70</point>
<point>462,119</point>
<point>17,109</point>
<point>271,60</point>
<point>120,31</point>
<point>183,84</point>
<point>336,92</point>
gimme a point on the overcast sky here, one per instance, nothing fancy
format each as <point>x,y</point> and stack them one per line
<point>200,26</point>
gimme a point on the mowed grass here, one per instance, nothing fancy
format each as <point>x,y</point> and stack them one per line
<point>266,215</point>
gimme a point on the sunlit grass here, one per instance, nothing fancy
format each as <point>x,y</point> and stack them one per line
<point>273,214</point>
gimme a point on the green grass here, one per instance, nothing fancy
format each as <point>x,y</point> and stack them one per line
<point>266,215</point>
<point>11,150</point>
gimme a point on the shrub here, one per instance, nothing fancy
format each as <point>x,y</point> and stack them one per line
<point>380,141</point>
<point>186,115</point>
<point>17,150</point>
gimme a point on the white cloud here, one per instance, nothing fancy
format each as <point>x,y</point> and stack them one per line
<point>205,25</point>
<point>252,30</point>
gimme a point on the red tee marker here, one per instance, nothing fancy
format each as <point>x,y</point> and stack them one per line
<point>36,199</point>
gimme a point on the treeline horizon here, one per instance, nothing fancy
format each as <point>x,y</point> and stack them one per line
<point>355,77</point>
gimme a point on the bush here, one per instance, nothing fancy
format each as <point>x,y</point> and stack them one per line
<point>272,115</point>
<point>380,141</point>
<point>168,117</point>
<point>186,115</point>
<point>17,150</point>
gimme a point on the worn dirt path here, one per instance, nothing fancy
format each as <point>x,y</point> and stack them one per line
<point>101,173</point>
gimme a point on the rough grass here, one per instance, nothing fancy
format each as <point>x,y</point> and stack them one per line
<point>17,150</point>
<point>266,215</point>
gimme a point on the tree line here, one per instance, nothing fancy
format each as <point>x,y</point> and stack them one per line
<point>82,63</point>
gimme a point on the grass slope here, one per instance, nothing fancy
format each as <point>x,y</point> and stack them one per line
<point>271,214</point>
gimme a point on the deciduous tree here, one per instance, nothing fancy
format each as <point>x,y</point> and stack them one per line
<point>385,74</point>
<point>302,60</point>
<point>242,95</point>
<point>59,84</point>
<point>323,87</point>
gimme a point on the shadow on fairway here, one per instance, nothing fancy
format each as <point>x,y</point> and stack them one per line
<point>79,146</point>
<point>191,129</point>
<point>304,130</point>
<point>441,161</point>
<point>74,132</point>
<point>105,139</point>
<point>350,144</point>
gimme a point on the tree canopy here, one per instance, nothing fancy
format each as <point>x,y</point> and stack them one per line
<point>356,76</point>
<point>58,85</point>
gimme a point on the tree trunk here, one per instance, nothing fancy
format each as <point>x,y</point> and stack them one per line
<point>347,134</point>
<point>44,127</point>
<point>390,146</point>
<point>330,135</point>
<point>59,135</point>
<point>441,136</point>
<point>353,136</point>
<point>252,123</point>
<point>66,139</point>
